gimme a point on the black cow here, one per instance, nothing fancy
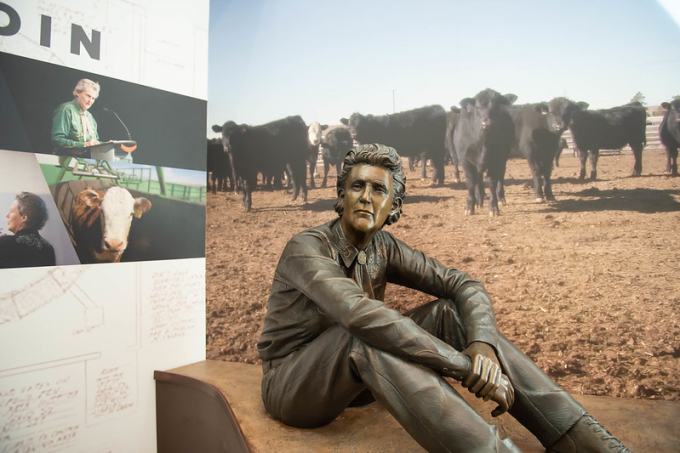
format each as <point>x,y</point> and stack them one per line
<point>562,145</point>
<point>593,130</point>
<point>270,149</point>
<point>418,132</point>
<point>669,133</point>
<point>451,121</point>
<point>219,167</point>
<point>334,147</point>
<point>536,142</point>
<point>483,137</point>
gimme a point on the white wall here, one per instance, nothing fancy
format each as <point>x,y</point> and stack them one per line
<point>80,342</point>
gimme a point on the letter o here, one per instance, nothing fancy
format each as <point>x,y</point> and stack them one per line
<point>14,21</point>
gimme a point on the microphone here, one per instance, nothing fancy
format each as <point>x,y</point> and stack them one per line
<point>121,122</point>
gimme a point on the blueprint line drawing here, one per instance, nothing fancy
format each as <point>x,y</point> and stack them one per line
<point>85,342</point>
<point>19,302</point>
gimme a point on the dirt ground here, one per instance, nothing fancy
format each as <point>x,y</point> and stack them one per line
<point>587,286</point>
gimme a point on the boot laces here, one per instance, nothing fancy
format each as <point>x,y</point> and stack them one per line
<point>613,443</point>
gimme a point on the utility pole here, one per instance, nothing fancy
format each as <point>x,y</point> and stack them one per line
<point>393,105</point>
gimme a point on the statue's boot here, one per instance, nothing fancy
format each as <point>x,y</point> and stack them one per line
<point>587,435</point>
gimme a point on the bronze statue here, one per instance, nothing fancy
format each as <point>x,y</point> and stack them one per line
<point>329,341</point>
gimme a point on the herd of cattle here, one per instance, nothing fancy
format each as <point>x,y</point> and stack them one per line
<point>480,136</point>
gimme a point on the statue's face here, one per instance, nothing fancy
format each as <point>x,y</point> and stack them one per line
<point>367,201</point>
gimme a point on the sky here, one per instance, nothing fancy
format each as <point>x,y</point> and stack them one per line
<point>322,60</point>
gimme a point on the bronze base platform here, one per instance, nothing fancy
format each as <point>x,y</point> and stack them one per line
<point>215,406</point>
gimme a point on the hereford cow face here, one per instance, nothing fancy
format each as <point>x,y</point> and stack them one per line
<point>114,209</point>
<point>314,132</point>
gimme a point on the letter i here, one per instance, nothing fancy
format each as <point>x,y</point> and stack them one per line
<point>45,31</point>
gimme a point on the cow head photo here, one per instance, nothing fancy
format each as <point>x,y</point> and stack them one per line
<point>102,222</point>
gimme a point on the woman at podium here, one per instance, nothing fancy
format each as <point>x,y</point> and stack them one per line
<point>73,126</point>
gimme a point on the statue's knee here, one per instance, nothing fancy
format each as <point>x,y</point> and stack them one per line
<point>359,351</point>
<point>365,358</point>
<point>446,305</point>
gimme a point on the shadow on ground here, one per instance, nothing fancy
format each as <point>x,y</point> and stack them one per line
<point>646,201</point>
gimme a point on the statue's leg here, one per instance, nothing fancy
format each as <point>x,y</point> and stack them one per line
<point>315,384</point>
<point>540,405</point>
<point>550,413</point>
<point>441,319</point>
<point>421,400</point>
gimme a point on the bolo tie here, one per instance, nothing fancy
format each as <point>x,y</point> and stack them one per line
<point>361,274</point>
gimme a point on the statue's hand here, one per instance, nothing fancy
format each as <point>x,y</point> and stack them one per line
<point>504,396</point>
<point>486,379</point>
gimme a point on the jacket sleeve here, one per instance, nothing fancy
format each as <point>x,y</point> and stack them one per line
<point>61,129</point>
<point>412,268</point>
<point>307,265</point>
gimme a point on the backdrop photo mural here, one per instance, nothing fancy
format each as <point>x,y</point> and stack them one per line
<point>102,250</point>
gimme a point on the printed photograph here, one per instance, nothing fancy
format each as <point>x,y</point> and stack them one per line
<point>31,234</point>
<point>121,212</point>
<point>52,109</point>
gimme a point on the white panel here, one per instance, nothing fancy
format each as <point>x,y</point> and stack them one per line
<point>85,341</point>
<point>156,43</point>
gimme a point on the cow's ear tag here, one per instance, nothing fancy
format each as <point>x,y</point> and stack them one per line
<point>142,205</point>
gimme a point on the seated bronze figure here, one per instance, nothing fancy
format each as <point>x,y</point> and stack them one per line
<point>330,342</point>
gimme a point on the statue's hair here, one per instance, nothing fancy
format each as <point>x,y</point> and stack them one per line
<point>379,156</point>
<point>34,208</point>
<point>83,84</point>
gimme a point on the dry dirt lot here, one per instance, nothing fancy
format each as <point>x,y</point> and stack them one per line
<point>587,286</point>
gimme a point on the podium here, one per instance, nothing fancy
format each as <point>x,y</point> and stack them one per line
<point>103,154</point>
<point>113,151</point>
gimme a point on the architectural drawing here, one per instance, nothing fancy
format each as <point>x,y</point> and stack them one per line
<point>79,371</point>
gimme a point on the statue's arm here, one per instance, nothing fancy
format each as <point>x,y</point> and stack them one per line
<point>414,269</point>
<point>307,265</point>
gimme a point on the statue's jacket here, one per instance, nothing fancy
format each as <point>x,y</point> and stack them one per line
<point>315,287</point>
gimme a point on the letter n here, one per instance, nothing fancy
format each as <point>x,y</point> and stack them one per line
<point>78,37</point>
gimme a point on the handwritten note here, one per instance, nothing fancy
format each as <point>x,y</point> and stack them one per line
<point>112,393</point>
<point>40,415</point>
<point>175,297</point>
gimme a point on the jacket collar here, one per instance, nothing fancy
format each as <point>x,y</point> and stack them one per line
<point>347,251</point>
<point>77,106</point>
<point>25,231</point>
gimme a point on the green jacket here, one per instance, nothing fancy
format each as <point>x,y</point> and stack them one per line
<point>67,126</point>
